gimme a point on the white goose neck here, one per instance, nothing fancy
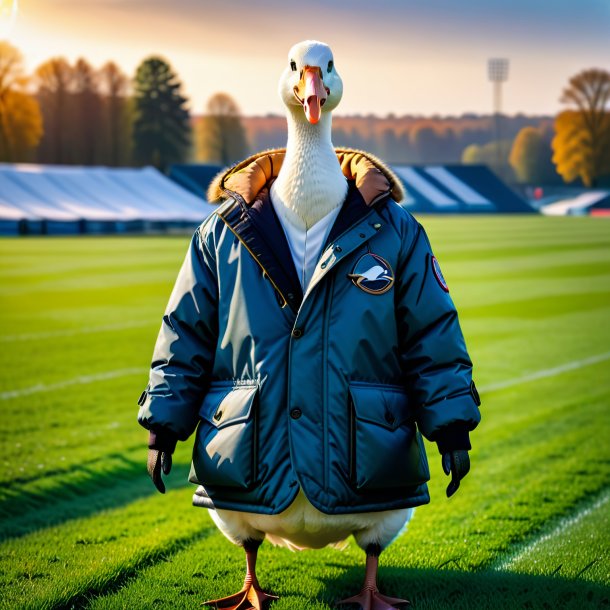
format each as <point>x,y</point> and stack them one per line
<point>310,183</point>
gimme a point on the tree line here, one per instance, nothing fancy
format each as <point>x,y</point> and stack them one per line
<point>75,114</point>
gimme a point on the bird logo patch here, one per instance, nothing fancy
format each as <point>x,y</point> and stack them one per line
<point>372,274</point>
<point>438,274</point>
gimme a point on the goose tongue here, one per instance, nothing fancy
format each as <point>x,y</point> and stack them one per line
<point>315,95</point>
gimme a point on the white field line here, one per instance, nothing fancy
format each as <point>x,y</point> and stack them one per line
<point>559,529</point>
<point>564,368</point>
<point>82,380</point>
<point>70,332</point>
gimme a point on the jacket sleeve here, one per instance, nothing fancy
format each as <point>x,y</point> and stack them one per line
<point>183,354</point>
<point>433,353</point>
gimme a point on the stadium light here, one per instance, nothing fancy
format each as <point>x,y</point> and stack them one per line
<point>497,70</point>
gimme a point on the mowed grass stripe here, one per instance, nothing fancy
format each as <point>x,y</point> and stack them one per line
<point>523,477</point>
<point>317,579</point>
<point>447,533</point>
<point>77,559</point>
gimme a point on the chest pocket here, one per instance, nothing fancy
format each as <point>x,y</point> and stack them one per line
<point>226,444</point>
<point>386,449</point>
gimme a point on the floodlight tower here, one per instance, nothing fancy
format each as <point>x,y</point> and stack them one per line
<point>497,69</point>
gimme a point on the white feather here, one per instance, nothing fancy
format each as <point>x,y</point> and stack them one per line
<point>302,526</point>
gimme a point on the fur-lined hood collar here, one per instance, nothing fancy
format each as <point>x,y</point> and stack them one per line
<point>372,177</point>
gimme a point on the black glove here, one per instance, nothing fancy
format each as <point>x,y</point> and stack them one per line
<point>458,464</point>
<point>161,445</point>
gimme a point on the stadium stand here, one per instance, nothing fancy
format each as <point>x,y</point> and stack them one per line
<point>458,189</point>
<point>55,199</point>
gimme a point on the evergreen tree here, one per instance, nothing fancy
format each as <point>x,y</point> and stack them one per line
<point>162,128</point>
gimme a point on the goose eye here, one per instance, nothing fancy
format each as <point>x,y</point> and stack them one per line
<point>330,66</point>
<point>293,66</point>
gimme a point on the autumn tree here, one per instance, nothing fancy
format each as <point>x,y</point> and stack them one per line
<point>492,154</point>
<point>86,126</point>
<point>221,135</point>
<point>114,87</point>
<point>434,143</point>
<point>55,78</point>
<point>162,130</point>
<point>530,157</point>
<point>581,146</point>
<point>20,117</point>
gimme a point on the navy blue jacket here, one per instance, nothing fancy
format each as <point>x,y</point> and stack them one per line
<point>328,390</point>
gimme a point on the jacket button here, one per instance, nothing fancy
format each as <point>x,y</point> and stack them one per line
<point>296,413</point>
<point>297,332</point>
<point>362,235</point>
<point>338,249</point>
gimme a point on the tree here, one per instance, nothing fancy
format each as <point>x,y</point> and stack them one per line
<point>434,143</point>
<point>530,157</point>
<point>20,117</point>
<point>86,125</point>
<point>488,155</point>
<point>162,130</point>
<point>114,86</point>
<point>54,78</point>
<point>221,135</point>
<point>581,145</point>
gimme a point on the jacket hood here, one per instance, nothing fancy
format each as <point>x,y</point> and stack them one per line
<point>371,176</point>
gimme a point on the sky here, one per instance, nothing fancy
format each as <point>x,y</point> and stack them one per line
<point>421,57</point>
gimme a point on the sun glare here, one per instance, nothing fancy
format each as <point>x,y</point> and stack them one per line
<point>8,15</point>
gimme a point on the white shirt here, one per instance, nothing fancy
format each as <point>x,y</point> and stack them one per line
<point>305,245</point>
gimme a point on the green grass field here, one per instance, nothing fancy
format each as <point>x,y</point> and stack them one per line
<point>82,526</point>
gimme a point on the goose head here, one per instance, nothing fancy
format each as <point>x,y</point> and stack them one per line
<point>310,84</point>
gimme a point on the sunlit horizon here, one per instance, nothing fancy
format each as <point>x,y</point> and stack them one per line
<point>417,60</point>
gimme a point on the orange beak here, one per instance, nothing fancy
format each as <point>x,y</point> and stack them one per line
<point>311,93</point>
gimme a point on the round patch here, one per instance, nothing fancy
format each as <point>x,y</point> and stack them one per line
<point>372,274</point>
<point>438,274</point>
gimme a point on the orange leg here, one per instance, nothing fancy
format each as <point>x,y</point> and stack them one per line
<point>369,597</point>
<point>251,595</point>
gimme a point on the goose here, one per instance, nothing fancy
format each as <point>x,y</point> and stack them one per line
<point>307,195</point>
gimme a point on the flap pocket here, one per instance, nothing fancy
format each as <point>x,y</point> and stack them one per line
<point>386,450</point>
<point>227,403</point>
<point>384,405</point>
<point>226,445</point>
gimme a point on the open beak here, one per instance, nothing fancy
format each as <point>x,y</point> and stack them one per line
<point>312,93</point>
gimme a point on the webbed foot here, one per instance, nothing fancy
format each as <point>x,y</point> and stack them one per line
<point>371,599</point>
<point>249,597</point>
